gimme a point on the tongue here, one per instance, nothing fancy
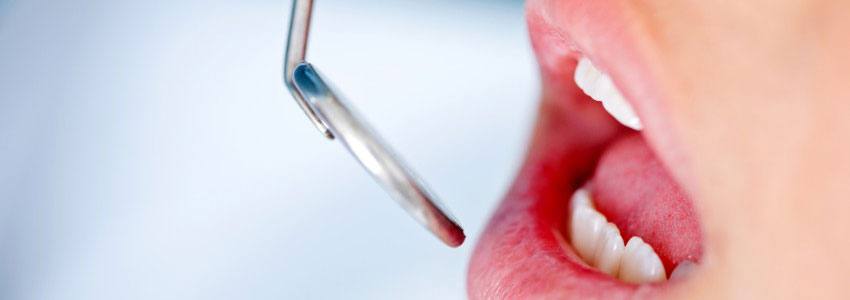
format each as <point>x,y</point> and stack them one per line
<point>635,192</point>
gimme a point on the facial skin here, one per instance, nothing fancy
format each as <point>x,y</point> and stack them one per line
<point>760,98</point>
<point>759,95</point>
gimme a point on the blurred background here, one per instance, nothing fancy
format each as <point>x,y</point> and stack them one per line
<point>148,149</point>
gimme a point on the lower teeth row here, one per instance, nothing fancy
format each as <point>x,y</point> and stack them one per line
<point>599,243</point>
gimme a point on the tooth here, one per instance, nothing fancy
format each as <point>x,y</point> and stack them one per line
<point>640,264</point>
<point>586,75</point>
<point>683,270</point>
<point>617,106</point>
<point>585,231</point>
<point>599,243</point>
<point>600,87</point>
<point>609,251</point>
<point>581,197</point>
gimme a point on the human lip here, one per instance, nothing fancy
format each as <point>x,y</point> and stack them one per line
<point>524,252</point>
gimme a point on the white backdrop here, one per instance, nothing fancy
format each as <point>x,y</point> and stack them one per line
<point>149,151</point>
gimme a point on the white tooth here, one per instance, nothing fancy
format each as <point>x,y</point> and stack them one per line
<point>581,197</point>
<point>640,264</point>
<point>609,251</point>
<point>617,106</point>
<point>600,244</point>
<point>586,230</point>
<point>585,75</point>
<point>601,88</point>
<point>683,270</point>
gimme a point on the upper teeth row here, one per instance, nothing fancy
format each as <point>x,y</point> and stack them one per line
<point>599,243</point>
<point>599,86</point>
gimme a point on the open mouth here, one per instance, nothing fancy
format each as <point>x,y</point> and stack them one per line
<point>600,208</point>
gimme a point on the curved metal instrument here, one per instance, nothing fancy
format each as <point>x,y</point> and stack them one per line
<point>337,120</point>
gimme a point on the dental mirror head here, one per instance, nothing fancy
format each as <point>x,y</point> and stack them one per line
<point>336,119</point>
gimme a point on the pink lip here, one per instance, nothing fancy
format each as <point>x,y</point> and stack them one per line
<point>523,252</point>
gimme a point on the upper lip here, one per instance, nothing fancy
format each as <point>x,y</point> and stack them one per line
<point>521,252</point>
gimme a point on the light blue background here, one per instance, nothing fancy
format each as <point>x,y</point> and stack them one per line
<point>149,151</point>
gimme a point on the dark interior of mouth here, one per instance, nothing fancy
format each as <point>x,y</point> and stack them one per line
<point>633,189</point>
